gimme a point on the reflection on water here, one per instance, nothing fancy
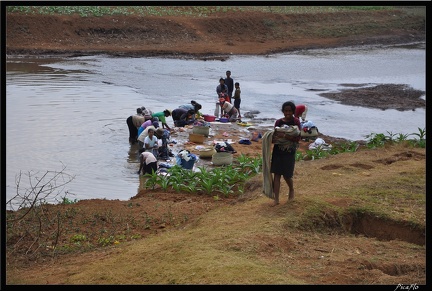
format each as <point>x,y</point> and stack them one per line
<point>72,112</point>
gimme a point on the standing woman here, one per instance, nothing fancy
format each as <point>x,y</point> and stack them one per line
<point>285,137</point>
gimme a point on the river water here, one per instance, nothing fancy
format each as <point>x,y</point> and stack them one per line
<point>71,112</point>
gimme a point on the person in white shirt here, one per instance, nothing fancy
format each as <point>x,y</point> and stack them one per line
<point>229,110</point>
<point>151,143</point>
<point>143,135</point>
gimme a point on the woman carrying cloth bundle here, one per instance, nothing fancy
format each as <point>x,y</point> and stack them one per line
<point>285,138</point>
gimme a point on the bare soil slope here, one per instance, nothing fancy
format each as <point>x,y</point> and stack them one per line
<point>223,34</point>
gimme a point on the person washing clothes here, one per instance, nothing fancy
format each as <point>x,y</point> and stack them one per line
<point>148,163</point>
<point>192,106</point>
<point>221,91</point>
<point>183,117</point>
<point>151,143</point>
<point>301,111</point>
<point>229,110</point>
<point>134,122</point>
<point>144,134</point>
<point>153,121</point>
<point>162,118</point>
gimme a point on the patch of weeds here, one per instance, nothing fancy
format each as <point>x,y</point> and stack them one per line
<point>78,238</point>
<point>106,241</point>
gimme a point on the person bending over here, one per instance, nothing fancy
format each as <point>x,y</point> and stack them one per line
<point>148,163</point>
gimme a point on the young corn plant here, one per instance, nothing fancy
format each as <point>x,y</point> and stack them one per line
<point>177,181</point>
<point>401,137</point>
<point>421,134</point>
<point>232,174</point>
<point>378,139</point>
<point>207,186</point>
<point>315,154</point>
<point>226,190</point>
<point>421,141</point>
<point>299,156</point>
<point>346,147</point>
<point>152,180</point>
<point>190,187</point>
<point>164,182</point>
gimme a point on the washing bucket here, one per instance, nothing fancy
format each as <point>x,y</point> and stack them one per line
<point>209,118</point>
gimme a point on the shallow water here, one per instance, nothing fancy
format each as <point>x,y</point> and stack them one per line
<point>73,111</point>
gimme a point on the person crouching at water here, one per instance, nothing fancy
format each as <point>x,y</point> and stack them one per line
<point>194,106</point>
<point>153,121</point>
<point>151,143</point>
<point>162,118</point>
<point>183,117</point>
<point>164,136</point>
<point>148,163</point>
<point>229,110</point>
<point>144,134</point>
<point>301,111</point>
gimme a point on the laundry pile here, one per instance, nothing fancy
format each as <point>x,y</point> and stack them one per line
<point>320,144</point>
<point>185,159</point>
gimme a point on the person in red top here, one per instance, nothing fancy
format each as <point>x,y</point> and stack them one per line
<point>283,157</point>
<point>301,111</point>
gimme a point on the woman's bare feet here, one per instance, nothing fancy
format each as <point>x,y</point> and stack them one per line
<point>274,203</point>
<point>291,195</point>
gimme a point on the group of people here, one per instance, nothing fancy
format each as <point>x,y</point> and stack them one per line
<point>145,118</point>
<point>144,128</point>
<point>137,121</point>
<point>152,139</point>
<point>227,104</point>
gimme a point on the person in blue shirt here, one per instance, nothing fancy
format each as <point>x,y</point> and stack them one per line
<point>193,105</point>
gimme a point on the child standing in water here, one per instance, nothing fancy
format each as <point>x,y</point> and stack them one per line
<point>236,97</point>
